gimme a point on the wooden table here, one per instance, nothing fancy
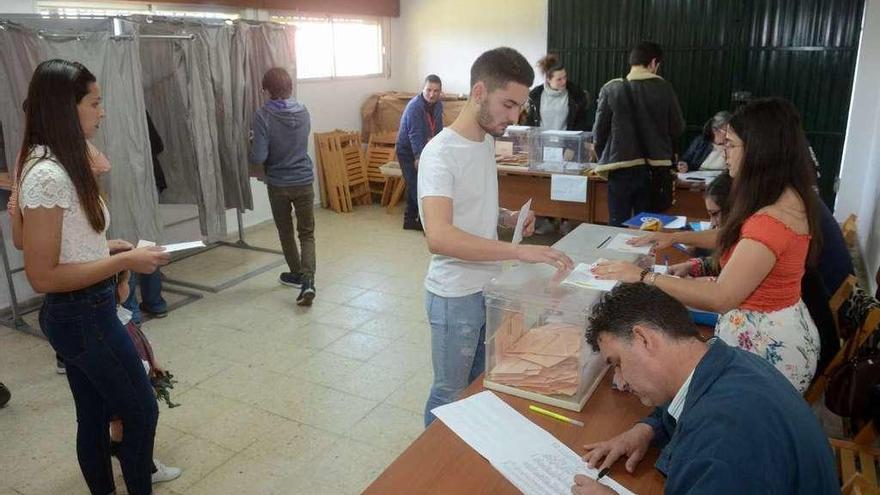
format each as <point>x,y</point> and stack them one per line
<point>516,184</point>
<point>441,463</point>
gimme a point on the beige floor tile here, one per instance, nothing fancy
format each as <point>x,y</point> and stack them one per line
<point>64,478</point>
<point>413,394</point>
<point>372,382</point>
<point>357,345</point>
<point>289,445</point>
<point>190,366</point>
<point>326,368</point>
<point>244,383</point>
<point>349,467</point>
<point>404,355</point>
<point>345,317</point>
<point>316,336</point>
<point>197,458</point>
<point>339,293</point>
<point>389,428</point>
<point>239,475</point>
<point>318,406</point>
<point>392,327</point>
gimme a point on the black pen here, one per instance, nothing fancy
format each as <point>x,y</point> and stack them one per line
<point>603,242</point>
<point>602,473</point>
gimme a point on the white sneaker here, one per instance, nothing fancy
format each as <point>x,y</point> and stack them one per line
<point>164,473</point>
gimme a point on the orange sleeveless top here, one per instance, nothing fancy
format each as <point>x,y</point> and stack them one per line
<point>781,287</point>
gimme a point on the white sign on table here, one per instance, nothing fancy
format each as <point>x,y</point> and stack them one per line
<point>572,188</point>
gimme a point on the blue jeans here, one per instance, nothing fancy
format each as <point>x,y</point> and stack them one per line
<point>107,379</point>
<point>458,353</point>
<point>151,295</point>
<point>411,178</point>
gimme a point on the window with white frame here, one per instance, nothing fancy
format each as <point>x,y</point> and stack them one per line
<point>333,47</point>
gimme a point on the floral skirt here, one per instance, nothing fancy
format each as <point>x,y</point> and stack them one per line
<point>787,339</point>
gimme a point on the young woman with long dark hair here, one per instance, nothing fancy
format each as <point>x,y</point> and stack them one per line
<point>769,232</point>
<point>67,257</point>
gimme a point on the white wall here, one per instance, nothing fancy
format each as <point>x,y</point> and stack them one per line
<point>860,167</point>
<point>18,6</point>
<point>445,37</point>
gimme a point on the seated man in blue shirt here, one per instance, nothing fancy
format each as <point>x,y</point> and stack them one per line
<point>728,421</point>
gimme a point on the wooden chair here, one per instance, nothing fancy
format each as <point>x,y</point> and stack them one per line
<point>857,463</point>
<point>394,185</point>
<point>381,149</point>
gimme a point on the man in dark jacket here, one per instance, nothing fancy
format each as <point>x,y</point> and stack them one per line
<point>421,120</point>
<point>654,114</point>
<point>280,144</point>
<point>728,422</point>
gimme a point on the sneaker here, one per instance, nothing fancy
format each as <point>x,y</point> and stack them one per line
<point>291,279</point>
<point>413,224</point>
<point>153,314</point>
<point>307,293</point>
<point>164,473</point>
<point>60,367</point>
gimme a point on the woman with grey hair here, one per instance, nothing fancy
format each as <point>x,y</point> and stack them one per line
<point>705,151</point>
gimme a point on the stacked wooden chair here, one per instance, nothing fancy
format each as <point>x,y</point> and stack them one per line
<point>342,170</point>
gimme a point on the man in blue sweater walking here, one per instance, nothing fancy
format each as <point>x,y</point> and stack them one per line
<point>727,423</point>
<point>422,120</point>
<point>280,144</point>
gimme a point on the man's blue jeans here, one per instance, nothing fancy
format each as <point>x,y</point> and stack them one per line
<point>458,355</point>
<point>151,295</point>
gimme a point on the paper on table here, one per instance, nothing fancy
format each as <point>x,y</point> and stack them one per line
<point>527,455</point>
<point>568,188</point>
<point>678,223</point>
<point>662,269</point>
<point>619,244</point>
<point>582,276</point>
<point>521,222</point>
<point>705,225</point>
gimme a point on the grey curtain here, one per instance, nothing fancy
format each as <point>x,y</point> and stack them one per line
<point>201,94</point>
<point>123,137</point>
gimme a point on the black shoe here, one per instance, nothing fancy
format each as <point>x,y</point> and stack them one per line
<point>4,395</point>
<point>414,224</point>
<point>291,279</point>
<point>153,314</point>
<point>307,293</point>
<point>60,367</point>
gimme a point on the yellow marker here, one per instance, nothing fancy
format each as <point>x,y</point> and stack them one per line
<point>555,415</point>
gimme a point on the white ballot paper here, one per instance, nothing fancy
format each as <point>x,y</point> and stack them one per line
<point>680,222</point>
<point>568,188</point>
<point>521,222</point>
<point>582,276</point>
<point>170,248</point>
<point>524,453</point>
<point>618,243</point>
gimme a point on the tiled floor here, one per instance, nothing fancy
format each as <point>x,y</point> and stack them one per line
<point>275,398</point>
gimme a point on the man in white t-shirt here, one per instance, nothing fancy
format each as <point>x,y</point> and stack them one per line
<point>458,205</point>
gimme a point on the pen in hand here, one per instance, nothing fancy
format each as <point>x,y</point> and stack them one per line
<point>602,473</point>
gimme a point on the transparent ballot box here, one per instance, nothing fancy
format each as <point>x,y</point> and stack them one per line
<point>536,346</point>
<point>560,152</point>
<point>513,147</point>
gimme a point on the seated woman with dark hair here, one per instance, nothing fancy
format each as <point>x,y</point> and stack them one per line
<point>771,228</point>
<point>706,150</point>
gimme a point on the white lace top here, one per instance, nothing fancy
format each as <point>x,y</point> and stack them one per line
<point>46,184</point>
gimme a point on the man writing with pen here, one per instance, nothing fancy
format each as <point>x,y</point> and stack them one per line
<point>727,421</point>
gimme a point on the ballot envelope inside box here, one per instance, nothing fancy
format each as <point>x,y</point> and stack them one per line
<point>535,338</point>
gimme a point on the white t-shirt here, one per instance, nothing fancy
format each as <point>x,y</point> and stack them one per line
<point>46,184</point>
<point>463,170</point>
